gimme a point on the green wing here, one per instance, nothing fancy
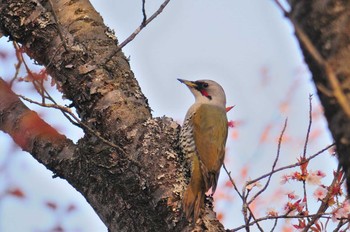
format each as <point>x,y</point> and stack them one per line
<point>210,134</point>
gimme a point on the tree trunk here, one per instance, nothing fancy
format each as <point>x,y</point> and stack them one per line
<point>322,28</point>
<point>134,185</point>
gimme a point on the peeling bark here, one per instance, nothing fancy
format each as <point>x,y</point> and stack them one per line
<point>137,187</point>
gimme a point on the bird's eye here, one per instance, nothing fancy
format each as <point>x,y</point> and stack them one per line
<point>205,85</point>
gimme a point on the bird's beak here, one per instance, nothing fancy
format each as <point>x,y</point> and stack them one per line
<point>190,84</point>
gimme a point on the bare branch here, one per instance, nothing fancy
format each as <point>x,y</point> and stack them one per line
<point>58,25</point>
<point>144,12</point>
<point>274,163</point>
<point>232,181</point>
<point>30,132</point>
<point>309,126</point>
<point>18,65</point>
<point>143,24</point>
<point>245,206</point>
<point>305,148</point>
<point>292,165</point>
<point>323,215</point>
<point>76,121</point>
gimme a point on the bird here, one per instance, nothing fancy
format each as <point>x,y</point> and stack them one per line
<point>202,140</point>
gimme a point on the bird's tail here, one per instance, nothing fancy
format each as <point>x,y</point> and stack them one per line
<point>193,199</point>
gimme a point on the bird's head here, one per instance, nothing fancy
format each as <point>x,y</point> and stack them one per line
<point>206,91</point>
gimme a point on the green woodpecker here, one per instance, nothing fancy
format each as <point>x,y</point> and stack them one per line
<point>203,139</point>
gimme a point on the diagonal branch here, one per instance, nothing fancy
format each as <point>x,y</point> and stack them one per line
<point>144,23</point>
<point>292,165</point>
<point>274,164</point>
<point>69,115</point>
<point>30,132</point>
<point>138,188</point>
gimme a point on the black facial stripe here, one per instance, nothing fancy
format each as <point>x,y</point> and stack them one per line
<point>201,85</point>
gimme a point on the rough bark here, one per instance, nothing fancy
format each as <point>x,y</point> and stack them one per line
<point>136,186</point>
<point>326,25</point>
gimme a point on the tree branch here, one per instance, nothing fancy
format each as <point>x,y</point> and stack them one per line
<point>139,187</point>
<point>144,22</point>
<point>30,132</point>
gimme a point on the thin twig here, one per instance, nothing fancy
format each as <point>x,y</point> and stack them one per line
<point>305,149</point>
<point>244,200</point>
<point>323,215</point>
<point>232,181</point>
<point>19,64</point>
<point>68,111</point>
<point>144,12</point>
<point>340,225</point>
<point>143,24</point>
<point>274,225</point>
<point>58,26</point>
<point>21,60</point>
<point>292,165</point>
<point>65,114</point>
<point>309,126</point>
<point>281,7</point>
<point>274,163</point>
<point>251,216</point>
<point>38,85</point>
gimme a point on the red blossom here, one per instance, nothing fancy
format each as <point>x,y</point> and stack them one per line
<point>252,185</point>
<point>71,208</point>
<point>320,193</point>
<point>228,184</point>
<point>285,178</point>
<point>297,206</point>
<point>272,212</point>
<point>16,192</point>
<point>343,211</point>
<point>320,173</point>
<point>292,196</point>
<point>318,227</point>
<point>301,224</point>
<point>220,216</point>
<point>231,124</point>
<point>303,166</point>
<point>3,55</point>
<point>298,176</point>
<point>51,205</point>
<point>340,175</point>
<point>336,190</point>
<point>314,177</point>
<point>265,134</point>
<point>33,76</point>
